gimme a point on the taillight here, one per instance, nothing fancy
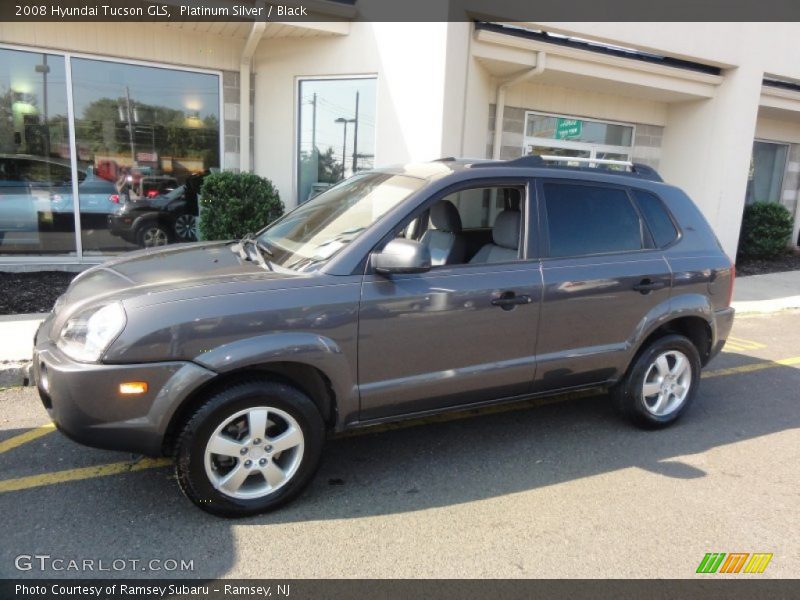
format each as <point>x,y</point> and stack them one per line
<point>152,193</point>
<point>114,198</point>
<point>733,278</point>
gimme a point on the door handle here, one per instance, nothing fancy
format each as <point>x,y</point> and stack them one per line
<point>646,285</point>
<point>508,300</point>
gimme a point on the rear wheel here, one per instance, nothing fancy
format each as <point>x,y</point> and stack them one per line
<point>661,383</point>
<point>250,448</point>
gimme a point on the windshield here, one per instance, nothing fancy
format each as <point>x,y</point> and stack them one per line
<point>315,231</point>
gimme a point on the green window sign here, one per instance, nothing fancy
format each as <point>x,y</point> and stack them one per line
<point>568,129</point>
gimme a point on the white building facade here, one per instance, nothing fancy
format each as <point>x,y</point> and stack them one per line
<point>715,107</point>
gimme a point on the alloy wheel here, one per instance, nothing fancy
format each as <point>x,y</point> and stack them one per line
<point>254,452</point>
<point>667,383</point>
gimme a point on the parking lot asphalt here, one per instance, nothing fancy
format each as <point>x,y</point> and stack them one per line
<point>545,489</point>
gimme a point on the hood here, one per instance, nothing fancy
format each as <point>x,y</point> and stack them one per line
<point>172,268</point>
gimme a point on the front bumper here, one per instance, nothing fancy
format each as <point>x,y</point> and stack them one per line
<point>84,402</point>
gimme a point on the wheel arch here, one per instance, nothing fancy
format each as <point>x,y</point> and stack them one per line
<point>696,328</point>
<point>305,377</point>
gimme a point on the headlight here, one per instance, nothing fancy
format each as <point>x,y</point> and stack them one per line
<point>86,336</point>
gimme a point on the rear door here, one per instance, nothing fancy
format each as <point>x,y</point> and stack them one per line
<point>602,275</point>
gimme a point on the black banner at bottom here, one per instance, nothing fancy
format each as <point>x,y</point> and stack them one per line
<point>389,589</point>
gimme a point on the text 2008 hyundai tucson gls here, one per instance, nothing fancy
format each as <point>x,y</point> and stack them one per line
<point>397,293</point>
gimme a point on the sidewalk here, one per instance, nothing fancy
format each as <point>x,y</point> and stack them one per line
<point>753,294</point>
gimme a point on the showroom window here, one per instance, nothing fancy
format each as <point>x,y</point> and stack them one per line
<point>336,132</point>
<point>767,166</point>
<point>144,138</point>
<point>555,135</point>
<point>35,155</point>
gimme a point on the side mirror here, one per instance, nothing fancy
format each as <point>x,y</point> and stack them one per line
<point>402,256</point>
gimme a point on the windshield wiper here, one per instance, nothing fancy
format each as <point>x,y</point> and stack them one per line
<point>260,250</point>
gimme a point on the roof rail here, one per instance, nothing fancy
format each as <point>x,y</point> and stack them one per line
<point>637,169</point>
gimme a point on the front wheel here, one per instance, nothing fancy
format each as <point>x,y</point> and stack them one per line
<point>249,449</point>
<point>661,383</point>
<point>152,235</point>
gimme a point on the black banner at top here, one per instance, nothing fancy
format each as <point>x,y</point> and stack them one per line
<point>397,10</point>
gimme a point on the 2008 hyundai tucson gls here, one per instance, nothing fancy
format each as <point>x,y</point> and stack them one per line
<point>397,293</point>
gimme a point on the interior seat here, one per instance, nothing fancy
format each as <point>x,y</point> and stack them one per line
<point>445,242</point>
<point>505,238</point>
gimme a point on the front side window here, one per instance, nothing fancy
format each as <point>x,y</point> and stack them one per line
<point>587,219</point>
<point>35,155</point>
<point>767,166</point>
<point>336,132</point>
<point>315,231</point>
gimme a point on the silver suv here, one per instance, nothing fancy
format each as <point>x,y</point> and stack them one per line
<point>397,293</point>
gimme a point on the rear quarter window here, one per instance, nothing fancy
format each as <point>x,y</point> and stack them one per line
<point>658,220</point>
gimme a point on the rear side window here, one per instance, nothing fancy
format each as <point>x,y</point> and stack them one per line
<point>657,217</point>
<point>589,219</point>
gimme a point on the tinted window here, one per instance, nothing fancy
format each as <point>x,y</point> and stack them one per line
<point>661,226</point>
<point>586,219</point>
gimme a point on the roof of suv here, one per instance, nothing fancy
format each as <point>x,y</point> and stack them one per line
<point>535,165</point>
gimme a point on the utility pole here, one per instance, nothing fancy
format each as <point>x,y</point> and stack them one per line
<point>355,138</point>
<point>314,124</point>
<point>130,122</point>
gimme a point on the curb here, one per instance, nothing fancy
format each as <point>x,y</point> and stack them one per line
<point>14,373</point>
<point>750,307</point>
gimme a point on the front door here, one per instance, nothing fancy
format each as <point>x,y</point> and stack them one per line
<point>462,333</point>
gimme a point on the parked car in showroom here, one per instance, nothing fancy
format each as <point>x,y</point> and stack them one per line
<point>98,198</point>
<point>161,219</point>
<point>397,293</point>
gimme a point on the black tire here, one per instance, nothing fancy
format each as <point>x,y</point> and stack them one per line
<point>629,397</point>
<point>147,231</point>
<point>190,449</point>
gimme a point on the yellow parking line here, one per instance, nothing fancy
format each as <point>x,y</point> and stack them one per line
<point>24,438</point>
<point>747,344</point>
<point>760,366</point>
<point>24,483</point>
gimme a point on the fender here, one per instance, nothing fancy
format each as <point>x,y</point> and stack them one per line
<point>306,348</point>
<point>676,307</point>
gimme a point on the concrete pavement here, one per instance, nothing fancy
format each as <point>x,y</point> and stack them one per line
<point>565,489</point>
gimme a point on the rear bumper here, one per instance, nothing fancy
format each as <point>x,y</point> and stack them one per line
<point>723,322</point>
<point>84,402</point>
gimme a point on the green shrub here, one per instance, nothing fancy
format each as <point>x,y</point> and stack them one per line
<point>233,204</point>
<point>766,228</point>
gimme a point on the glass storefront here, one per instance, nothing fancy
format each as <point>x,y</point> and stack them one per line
<point>765,178</point>
<point>35,155</point>
<point>550,135</point>
<point>336,132</point>
<point>145,137</point>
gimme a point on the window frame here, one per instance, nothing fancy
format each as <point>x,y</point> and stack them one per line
<point>786,145</point>
<point>298,81</point>
<point>526,253</point>
<point>591,147</point>
<point>78,257</point>
<point>648,244</point>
